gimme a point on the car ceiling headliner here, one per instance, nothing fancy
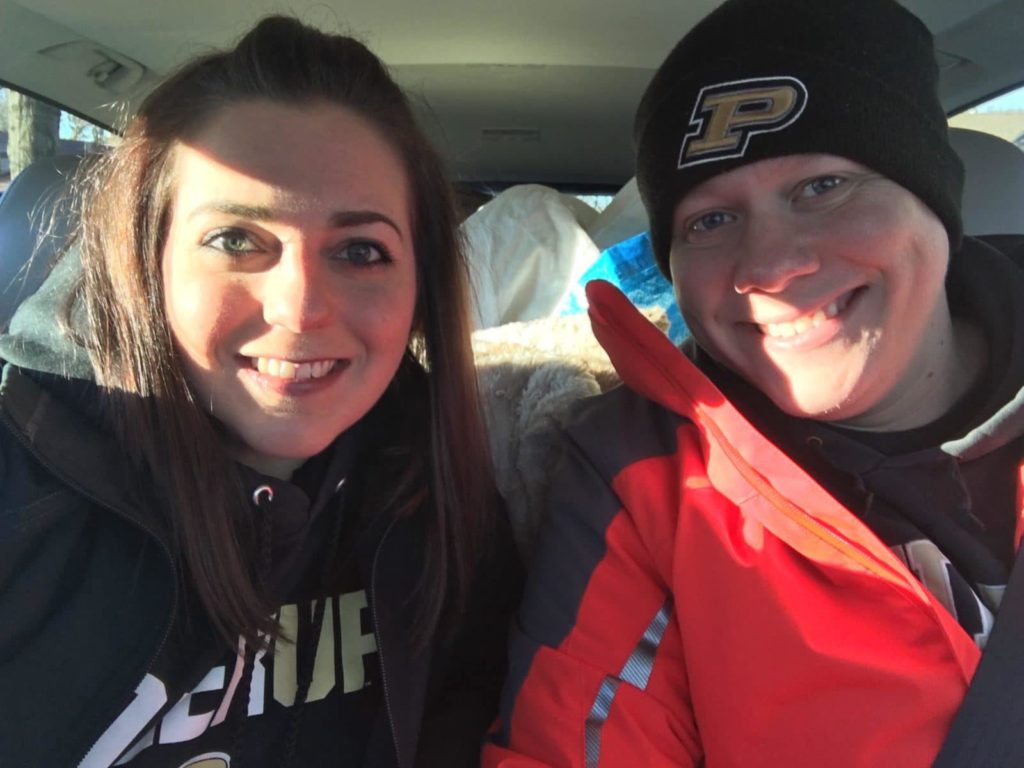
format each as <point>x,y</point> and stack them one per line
<point>540,90</point>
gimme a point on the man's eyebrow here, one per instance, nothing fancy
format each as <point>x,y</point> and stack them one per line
<point>338,219</point>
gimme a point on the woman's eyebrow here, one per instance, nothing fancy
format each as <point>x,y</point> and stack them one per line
<point>357,218</point>
<point>264,213</point>
<point>254,212</point>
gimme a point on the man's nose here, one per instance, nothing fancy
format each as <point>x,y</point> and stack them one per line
<point>773,252</point>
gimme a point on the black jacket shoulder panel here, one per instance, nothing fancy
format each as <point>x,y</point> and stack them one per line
<point>620,427</point>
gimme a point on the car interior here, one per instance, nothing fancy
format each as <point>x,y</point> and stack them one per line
<point>530,103</point>
<point>530,91</point>
<point>526,93</point>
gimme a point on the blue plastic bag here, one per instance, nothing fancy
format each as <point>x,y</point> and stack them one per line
<point>630,265</point>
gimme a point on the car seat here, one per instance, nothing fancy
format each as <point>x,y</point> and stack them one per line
<point>35,220</point>
<point>993,202</point>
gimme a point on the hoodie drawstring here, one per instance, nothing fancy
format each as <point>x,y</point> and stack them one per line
<point>262,498</point>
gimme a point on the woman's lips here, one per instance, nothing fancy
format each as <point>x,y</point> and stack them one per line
<point>292,377</point>
<point>292,370</point>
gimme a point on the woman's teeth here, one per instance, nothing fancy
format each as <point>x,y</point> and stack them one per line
<point>286,369</point>
<point>805,323</point>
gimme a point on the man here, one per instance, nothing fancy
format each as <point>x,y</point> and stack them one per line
<point>788,546</point>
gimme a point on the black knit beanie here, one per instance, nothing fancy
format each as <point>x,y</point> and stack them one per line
<point>757,79</point>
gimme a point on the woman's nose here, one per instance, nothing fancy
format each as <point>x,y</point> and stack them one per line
<point>295,293</point>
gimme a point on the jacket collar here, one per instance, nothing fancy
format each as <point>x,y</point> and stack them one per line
<point>754,474</point>
<point>56,419</point>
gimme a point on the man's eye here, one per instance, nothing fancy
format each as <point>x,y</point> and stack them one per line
<point>362,253</point>
<point>712,220</point>
<point>232,241</point>
<point>820,186</point>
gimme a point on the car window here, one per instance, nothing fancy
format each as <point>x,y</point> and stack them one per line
<point>597,202</point>
<point>31,128</point>
<point>1001,116</point>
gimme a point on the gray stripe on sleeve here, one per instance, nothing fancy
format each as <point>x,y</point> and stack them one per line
<point>636,672</point>
<point>596,718</point>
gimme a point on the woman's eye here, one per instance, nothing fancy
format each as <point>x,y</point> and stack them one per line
<point>232,241</point>
<point>820,186</point>
<point>363,253</point>
<point>712,220</point>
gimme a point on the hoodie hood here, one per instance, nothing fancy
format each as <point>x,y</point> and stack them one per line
<point>988,287</point>
<point>37,340</point>
<point>49,397</point>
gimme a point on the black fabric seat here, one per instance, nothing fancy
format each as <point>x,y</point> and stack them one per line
<point>34,222</point>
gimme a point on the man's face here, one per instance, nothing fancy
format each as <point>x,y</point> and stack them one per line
<point>819,281</point>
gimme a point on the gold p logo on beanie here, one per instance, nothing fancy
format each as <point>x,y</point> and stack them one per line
<point>726,115</point>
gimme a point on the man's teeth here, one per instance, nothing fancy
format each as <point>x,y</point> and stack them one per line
<point>805,323</point>
<point>286,369</point>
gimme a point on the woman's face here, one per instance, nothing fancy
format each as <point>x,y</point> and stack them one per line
<point>289,274</point>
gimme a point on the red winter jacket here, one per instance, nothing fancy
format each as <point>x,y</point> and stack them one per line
<point>698,600</point>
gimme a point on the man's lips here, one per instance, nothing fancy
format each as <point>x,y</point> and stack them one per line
<point>789,329</point>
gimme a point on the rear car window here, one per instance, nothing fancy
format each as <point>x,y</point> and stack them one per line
<point>31,129</point>
<point>1002,116</point>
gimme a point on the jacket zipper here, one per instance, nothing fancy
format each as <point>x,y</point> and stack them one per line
<point>668,369</point>
<point>380,640</point>
<point>864,558</point>
<point>74,486</point>
<point>904,579</point>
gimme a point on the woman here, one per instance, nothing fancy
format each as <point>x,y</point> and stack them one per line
<point>266,528</point>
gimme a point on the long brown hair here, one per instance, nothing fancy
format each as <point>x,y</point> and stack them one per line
<point>122,228</point>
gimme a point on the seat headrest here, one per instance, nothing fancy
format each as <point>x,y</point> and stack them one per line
<point>993,183</point>
<point>34,222</point>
